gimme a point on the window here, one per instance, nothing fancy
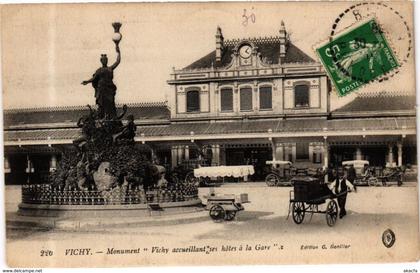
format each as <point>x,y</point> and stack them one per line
<point>317,153</point>
<point>265,97</point>
<point>301,96</point>
<point>288,153</point>
<point>193,101</point>
<point>226,99</point>
<point>194,153</point>
<point>302,150</point>
<point>246,99</point>
<point>317,157</point>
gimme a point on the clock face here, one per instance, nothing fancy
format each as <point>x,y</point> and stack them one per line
<point>245,51</point>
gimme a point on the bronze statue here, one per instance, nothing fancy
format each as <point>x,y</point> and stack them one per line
<point>127,132</point>
<point>87,124</point>
<point>105,88</point>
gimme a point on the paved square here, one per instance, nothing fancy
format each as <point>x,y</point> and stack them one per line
<point>262,226</point>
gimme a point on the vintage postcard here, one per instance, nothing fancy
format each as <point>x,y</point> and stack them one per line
<point>155,134</point>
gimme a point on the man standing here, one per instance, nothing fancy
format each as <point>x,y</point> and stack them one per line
<point>340,187</point>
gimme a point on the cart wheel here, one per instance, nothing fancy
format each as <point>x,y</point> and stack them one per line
<point>272,180</point>
<point>230,215</point>
<point>331,213</point>
<point>285,182</point>
<point>373,181</point>
<point>203,182</point>
<point>217,213</point>
<point>298,212</point>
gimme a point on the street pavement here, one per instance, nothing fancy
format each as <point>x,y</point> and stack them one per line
<point>262,229</point>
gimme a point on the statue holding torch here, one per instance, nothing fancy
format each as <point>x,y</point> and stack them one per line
<point>105,89</point>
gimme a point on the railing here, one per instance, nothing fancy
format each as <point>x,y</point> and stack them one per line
<point>46,194</point>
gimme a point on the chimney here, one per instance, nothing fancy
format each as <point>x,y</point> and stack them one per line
<point>219,44</point>
<point>283,40</point>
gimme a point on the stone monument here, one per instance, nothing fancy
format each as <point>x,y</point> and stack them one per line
<point>106,155</point>
<point>106,167</point>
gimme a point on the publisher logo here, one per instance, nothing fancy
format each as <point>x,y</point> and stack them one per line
<point>388,238</point>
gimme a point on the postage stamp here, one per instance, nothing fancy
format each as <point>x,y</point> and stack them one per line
<point>398,30</point>
<point>357,57</point>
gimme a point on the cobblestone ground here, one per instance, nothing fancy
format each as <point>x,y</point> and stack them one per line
<point>260,234</point>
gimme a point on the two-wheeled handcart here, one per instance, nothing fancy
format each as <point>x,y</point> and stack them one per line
<point>225,206</point>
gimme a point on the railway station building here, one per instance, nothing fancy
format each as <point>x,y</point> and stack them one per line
<point>246,102</point>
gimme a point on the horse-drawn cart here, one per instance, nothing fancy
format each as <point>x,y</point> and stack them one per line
<point>392,174</point>
<point>280,173</point>
<point>366,175</point>
<point>306,197</point>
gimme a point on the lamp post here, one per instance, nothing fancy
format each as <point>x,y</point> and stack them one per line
<point>117,35</point>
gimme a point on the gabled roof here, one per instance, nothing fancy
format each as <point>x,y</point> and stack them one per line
<point>268,47</point>
<point>382,103</point>
<point>70,115</point>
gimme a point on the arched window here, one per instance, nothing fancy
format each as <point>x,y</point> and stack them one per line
<point>226,99</point>
<point>193,101</point>
<point>301,95</point>
<point>246,98</point>
<point>265,97</point>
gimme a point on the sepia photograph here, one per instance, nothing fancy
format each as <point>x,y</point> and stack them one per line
<point>209,133</point>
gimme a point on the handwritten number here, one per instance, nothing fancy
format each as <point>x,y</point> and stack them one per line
<point>247,18</point>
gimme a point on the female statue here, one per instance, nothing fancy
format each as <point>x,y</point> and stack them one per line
<point>105,89</point>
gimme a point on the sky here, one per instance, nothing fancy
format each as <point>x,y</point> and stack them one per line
<point>48,50</point>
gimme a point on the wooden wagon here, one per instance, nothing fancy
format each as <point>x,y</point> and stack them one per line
<point>307,196</point>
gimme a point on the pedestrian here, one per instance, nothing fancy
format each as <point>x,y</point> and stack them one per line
<point>340,186</point>
<point>351,174</point>
<point>332,175</point>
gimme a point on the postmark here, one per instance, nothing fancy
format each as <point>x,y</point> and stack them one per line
<point>357,56</point>
<point>398,30</point>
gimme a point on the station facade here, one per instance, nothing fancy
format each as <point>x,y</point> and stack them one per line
<point>246,102</point>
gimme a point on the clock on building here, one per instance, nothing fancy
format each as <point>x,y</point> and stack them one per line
<point>245,51</point>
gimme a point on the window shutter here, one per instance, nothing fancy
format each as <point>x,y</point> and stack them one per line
<point>266,98</point>
<point>246,99</point>
<point>301,96</point>
<point>193,101</point>
<point>226,97</point>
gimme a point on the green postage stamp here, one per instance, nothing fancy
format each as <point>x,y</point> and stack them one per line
<point>357,57</point>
